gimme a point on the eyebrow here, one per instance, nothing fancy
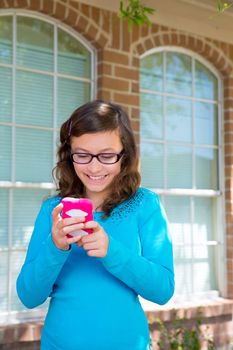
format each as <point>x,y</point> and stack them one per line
<point>102,151</point>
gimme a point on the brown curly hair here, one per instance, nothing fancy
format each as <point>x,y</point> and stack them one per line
<point>92,117</point>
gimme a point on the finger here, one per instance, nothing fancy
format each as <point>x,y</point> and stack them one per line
<point>73,220</point>
<point>90,246</point>
<point>93,225</point>
<point>74,239</point>
<point>89,238</point>
<point>72,228</point>
<point>96,253</point>
<point>56,211</point>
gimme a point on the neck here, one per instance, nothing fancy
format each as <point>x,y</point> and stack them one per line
<point>97,200</point>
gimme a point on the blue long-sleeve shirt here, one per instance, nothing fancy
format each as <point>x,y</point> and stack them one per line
<point>94,301</point>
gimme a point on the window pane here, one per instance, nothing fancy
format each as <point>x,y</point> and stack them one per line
<point>73,58</point>
<point>4,206</point>
<point>178,120</point>
<point>4,280</point>
<point>204,274</point>
<point>34,43</point>
<point>206,123</point>
<point>178,212</point>
<point>204,256</point>
<point>5,94</point>
<point>151,116</point>
<point>206,84</point>
<point>29,202</point>
<point>34,99</point>
<point>71,94</point>
<point>151,77</point>
<point>6,39</point>
<point>206,168</point>
<point>152,165</point>
<point>178,74</point>
<point>34,160</point>
<point>203,228</point>
<point>179,167</point>
<point>5,153</point>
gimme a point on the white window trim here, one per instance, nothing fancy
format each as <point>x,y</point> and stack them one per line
<point>12,316</point>
<point>219,195</point>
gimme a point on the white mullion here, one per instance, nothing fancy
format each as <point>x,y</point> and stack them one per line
<point>13,143</point>
<point>55,88</point>
<point>164,121</point>
<point>193,127</point>
<point>192,209</point>
<point>26,126</point>
<point>61,75</point>
<point>188,192</point>
<point>179,97</point>
<point>32,185</point>
<point>93,81</point>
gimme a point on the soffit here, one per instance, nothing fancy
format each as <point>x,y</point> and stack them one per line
<point>198,17</point>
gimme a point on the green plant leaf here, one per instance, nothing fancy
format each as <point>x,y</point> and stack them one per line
<point>135,13</point>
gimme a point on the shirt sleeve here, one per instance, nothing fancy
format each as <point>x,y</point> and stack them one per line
<point>150,274</point>
<point>42,264</point>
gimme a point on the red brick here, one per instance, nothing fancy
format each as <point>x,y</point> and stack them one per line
<point>95,14</point>
<point>104,68</point>
<point>127,99</point>
<point>71,18</point>
<point>82,24</point>
<point>101,41</point>
<point>104,94</point>
<point>113,83</point>
<point>60,11</point>
<point>91,33</point>
<point>47,6</point>
<point>21,4</point>
<point>116,31</point>
<point>114,57</point>
<point>106,15</point>
<point>135,33</point>
<point>148,44</point>
<point>228,103</point>
<point>85,9</point>
<point>126,73</point>
<point>126,37</point>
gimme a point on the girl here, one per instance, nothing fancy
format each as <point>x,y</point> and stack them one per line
<point>94,280</point>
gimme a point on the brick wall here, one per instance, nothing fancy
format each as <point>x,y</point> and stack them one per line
<point>118,54</point>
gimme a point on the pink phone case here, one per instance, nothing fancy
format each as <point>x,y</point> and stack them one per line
<point>77,207</point>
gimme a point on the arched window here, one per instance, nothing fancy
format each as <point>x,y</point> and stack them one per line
<point>46,71</point>
<point>180,160</point>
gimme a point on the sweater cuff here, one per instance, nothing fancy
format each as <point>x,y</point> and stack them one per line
<point>117,255</point>
<point>54,254</point>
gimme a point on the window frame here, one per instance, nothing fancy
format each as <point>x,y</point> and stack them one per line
<point>12,316</point>
<point>192,193</point>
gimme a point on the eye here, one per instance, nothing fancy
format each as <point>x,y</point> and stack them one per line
<point>107,155</point>
<point>82,155</point>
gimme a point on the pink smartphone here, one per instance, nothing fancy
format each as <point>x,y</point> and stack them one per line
<point>77,207</point>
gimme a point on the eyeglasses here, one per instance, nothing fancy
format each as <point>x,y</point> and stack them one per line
<point>104,158</point>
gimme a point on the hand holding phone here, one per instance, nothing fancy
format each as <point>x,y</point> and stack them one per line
<point>78,207</point>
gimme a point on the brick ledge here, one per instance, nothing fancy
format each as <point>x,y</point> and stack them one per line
<point>211,308</point>
<point>31,331</point>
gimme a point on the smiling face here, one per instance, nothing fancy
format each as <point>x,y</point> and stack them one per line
<point>96,177</point>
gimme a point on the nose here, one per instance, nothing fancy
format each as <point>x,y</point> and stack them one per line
<point>94,166</point>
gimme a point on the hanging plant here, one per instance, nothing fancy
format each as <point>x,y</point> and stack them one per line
<point>135,13</point>
<point>223,5</point>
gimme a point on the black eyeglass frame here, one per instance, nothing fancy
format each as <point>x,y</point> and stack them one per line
<point>118,157</point>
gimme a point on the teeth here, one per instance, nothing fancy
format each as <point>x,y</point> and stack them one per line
<point>96,177</point>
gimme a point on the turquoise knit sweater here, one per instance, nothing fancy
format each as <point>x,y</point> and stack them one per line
<point>94,301</point>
